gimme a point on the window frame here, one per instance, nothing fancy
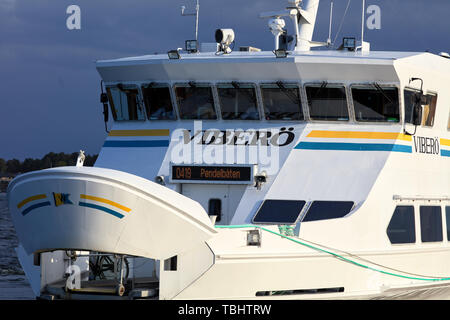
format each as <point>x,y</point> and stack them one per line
<point>297,220</point>
<point>303,101</point>
<point>430,93</point>
<point>130,86</point>
<point>218,104</point>
<point>382,85</point>
<point>420,206</point>
<point>172,100</point>
<point>211,85</point>
<point>331,84</point>
<point>415,231</point>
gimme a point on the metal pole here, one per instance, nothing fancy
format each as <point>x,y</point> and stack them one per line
<point>363,20</point>
<point>331,20</point>
<point>197,9</point>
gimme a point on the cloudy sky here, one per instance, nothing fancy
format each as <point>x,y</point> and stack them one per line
<point>49,87</point>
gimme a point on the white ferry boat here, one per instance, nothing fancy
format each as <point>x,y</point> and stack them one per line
<point>244,174</point>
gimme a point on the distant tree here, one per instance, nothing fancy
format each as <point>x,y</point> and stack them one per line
<point>3,167</point>
<point>13,166</point>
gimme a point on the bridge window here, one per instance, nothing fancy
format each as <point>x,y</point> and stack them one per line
<point>158,102</point>
<point>409,97</point>
<point>430,223</point>
<point>327,102</point>
<point>429,110</point>
<point>195,101</point>
<point>279,211</point>
<point>281,101</point>
<point>401,228</point>
<point>323,210</point>
<point>376,103</point>
<point>125,103</point>
<point>238,101</point>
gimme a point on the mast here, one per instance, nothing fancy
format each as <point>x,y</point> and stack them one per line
<point>306,24</point>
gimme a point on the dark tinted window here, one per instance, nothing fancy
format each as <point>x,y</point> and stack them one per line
<point>158,102</point>
<point>409,97</point>
<point>327,103</point>
<point>238,101</point>
<point>215,208</point>
<point>401,228</point>
<point>281,102</point>
<point>322,210</point>
<point>430,223</point>
<point>195,102</point>
<point>279,211</point>
<point>376,103</point>
<point>447,218</point>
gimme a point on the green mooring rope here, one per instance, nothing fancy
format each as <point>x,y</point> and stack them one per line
<point>330,253</point>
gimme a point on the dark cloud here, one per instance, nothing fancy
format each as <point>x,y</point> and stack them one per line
<point>49,86</point>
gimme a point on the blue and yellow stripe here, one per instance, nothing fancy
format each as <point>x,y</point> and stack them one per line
<point>352,146</point>
<point>138,143</point>
<point>103,208</point>
<point>446,143</point>
<point>34,206</point>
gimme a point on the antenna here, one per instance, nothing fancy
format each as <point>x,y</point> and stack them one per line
<point>331,21</point>
<point>363,20</point>
<point>197,9</point>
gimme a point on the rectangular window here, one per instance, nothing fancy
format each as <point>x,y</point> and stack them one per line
<point>125,103</point>
<point>376,103</point>
<point>447,218</point>
<point>195,101</point>
<point>401,228</point>
<point>281,101</point>
<point>238,101</point>
<point>429,110</point>
<point>323,210</point>
<point>279,211</point>
<point>409,98</point>
<point>158,102</point>
<point>327,102</point>
<point>430,223</point>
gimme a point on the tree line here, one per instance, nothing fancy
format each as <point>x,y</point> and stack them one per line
<point>50,160</point>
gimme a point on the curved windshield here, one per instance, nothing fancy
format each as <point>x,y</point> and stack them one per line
<point>195,102</point>
<point>281,101</point>
<point>238,101</point>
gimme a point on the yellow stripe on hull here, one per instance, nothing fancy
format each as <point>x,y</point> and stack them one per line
<point>112,203</point>
<point>445,142</point>
<point>358,135</point>
<point>29,199</point>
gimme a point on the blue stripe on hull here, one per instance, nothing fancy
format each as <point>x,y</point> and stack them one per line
<point>353,146</point>
<point>35,206</point>
<point>94,206</point>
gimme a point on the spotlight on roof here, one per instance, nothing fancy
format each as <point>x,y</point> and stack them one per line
<point>280,53</point>
<point>191,46</point>
<point>174,54</point>
<point>225,37</point>
<point>349,44</point>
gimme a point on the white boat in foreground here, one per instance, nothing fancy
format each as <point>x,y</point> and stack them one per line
<point>292,174</point>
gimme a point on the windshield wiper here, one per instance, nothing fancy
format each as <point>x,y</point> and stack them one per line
<point>377,86</point>
<point>293,97</point>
